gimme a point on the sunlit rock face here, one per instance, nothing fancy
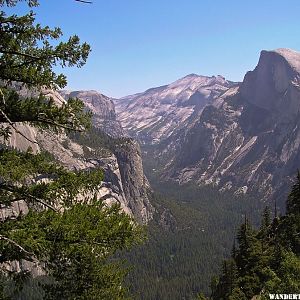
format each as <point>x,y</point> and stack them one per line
<point>155,115</point>
<point>103,109</point>
<point>250,141</point>
<point>245,139</point>
<point>124,181</point>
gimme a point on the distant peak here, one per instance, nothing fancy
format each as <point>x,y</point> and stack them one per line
<point>220,77</point>
<point>286,52</point>
<point>86,92</point>
<point>192,75</point>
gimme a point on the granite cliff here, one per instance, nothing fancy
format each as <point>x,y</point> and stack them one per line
<point>249,142</point>
<point>120,158</point>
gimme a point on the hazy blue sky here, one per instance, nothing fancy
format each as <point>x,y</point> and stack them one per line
<point>138,44</point>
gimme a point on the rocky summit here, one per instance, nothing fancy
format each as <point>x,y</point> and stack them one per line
<point>102,107</point>
<point>156,114</point>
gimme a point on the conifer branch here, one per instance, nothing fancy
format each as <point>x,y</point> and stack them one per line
<point>84,1</point>
<point>20,54</point>
<point>51,122</point>
<point>4,238</point>
<point>22,195</point>
<point>12,124</point>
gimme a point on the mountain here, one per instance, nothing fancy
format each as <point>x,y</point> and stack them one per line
<point>245,139</point>
<point>250,141</point>
<point>119,157</point>
<point>103,109</point>
<point>153,116</point>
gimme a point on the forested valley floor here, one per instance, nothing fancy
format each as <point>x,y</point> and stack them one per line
<point>192,232</point>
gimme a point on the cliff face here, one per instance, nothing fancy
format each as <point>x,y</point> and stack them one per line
<point>124,180</point>
<point>136,185</point>
<point>273,85</point>
<point>103,109</point>
<point>250,141</point>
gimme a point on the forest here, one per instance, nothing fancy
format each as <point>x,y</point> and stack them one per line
<point>264,260</point>
<point>192,232</point>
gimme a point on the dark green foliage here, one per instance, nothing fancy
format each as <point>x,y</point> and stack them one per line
<point>267,260</point>
<point>28,51</point>
<point>97,143</point>
<point>74,246</point>
<point>190,235</point>
<point>70,241</point>
<point>293,202</point>
<point>53,227</point>
<point>28,54</point>
<point>42,112</point>
<point>100,230</point>
<point>37,180</point>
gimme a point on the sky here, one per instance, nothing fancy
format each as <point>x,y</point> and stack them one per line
<point>139,44</point>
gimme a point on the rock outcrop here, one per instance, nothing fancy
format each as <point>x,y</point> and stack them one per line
<point>103,109</point>
<point>124,179</point>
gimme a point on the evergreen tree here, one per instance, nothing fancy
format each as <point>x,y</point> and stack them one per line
<point>227,281</point>
<point>67,232</point>
<point>293,202</point>
<point>267,260</point>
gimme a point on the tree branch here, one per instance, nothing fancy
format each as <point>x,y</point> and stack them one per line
<point>84,1</point>
<point>50,122</point>
<point>16,244</point>
<point>19,53</point>
<point>14,78</point>
<point>12,189</point>
<point>41,201</point>
<point>12,124</point>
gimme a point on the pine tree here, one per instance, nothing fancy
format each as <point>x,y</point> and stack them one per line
<point>70,240</point>
<point>267,259</point>
<point>293,202</point>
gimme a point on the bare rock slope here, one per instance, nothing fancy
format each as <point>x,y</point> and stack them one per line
<point>120,158</point>
<point>153,116</point>
<point>103,109</point>
<point>250,141</point>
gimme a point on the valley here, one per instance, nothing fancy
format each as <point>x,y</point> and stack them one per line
<point>191,233</point>
<point>241,137</point>
<point>215,153</point>
<point>182,186</point>
<point>213,156</point>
